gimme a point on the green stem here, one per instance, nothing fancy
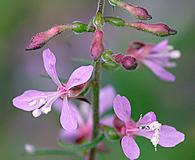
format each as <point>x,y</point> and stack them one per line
<point>95,87</point>
<point>101,4</point>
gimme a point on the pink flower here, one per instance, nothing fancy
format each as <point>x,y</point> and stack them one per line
<point>147,126</point>
<point>97,46</point>
<point>155,57</point>
<point>84,131</point>
<point>41,102</point>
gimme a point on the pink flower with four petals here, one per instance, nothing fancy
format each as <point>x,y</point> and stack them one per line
<point>147,126</point>
<point>41,102</point>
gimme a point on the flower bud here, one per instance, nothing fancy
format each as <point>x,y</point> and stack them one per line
<point>40,39</point>
<point>158,29</point>
<point>126,61</point>
<point>139,12</point>
<point>118,22</point>
<point>79,27</point>
<point>129,63</point>
<point>97,46</point>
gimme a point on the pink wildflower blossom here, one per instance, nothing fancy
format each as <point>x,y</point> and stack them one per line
<point>84,130</point>
<point>155,57</point>
<point>147,126</point>
<point>41,102</point>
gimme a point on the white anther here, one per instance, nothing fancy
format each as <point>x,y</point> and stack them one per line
<point>155,125</point>
<point>29,148</point>
<point>33,102</point>
<point>42,101</point>
<point>36,113</point>
<point>45,110</point>
<point>175,54</point>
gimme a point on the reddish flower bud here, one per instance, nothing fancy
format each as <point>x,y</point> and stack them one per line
<point>158,29</point>
<point>118,57</point>
<point>40,39</point>
<point>129,63</point>
<point>126,61</point>
<point>97,46</point>
<point>139,12</point>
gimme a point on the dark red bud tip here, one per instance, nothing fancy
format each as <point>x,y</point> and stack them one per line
<point>97,46</point>
<point>129,63</point>
<point>139,12</point>
<point>126,61</point>
<point>40,39</point>
<point>118,58</point>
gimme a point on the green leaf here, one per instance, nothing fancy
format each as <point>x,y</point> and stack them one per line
<point>82,147</point>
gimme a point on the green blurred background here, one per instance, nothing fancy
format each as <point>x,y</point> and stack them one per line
<point>174,103</point>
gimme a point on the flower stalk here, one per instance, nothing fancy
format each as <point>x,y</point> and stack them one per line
<point>95,87</point>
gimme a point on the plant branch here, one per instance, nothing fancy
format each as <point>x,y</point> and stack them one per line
<point>101,4</point>
<point>95,87</point>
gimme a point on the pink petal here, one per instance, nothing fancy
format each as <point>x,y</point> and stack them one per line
<point>145,133</point>
<point>122,108</point>
<point>49,64</point>
<point>130,147</point>
<point>80,76</point>
<point>160,46</point>
<point>58,107</point>
<point>159,71</point>
<point>68,117</point>
<point>170,137</point>
<point>147,119</point>
<point>108,120</point>
<point>68,137</point>
<point>107,95</point>
<point>33,99</point>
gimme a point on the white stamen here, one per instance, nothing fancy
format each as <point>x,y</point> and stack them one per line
<point>33,102</point>
<point>45,110</point>
<point>42,101</point>
<point>140,117</point>
<point>29,148</point>
<point>155,139</point>
<point>36,113</point>
<point>175,54</point>
<point>155,126</point>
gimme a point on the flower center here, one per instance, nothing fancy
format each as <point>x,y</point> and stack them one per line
<point>131,128</point>
<point>155,128</point>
